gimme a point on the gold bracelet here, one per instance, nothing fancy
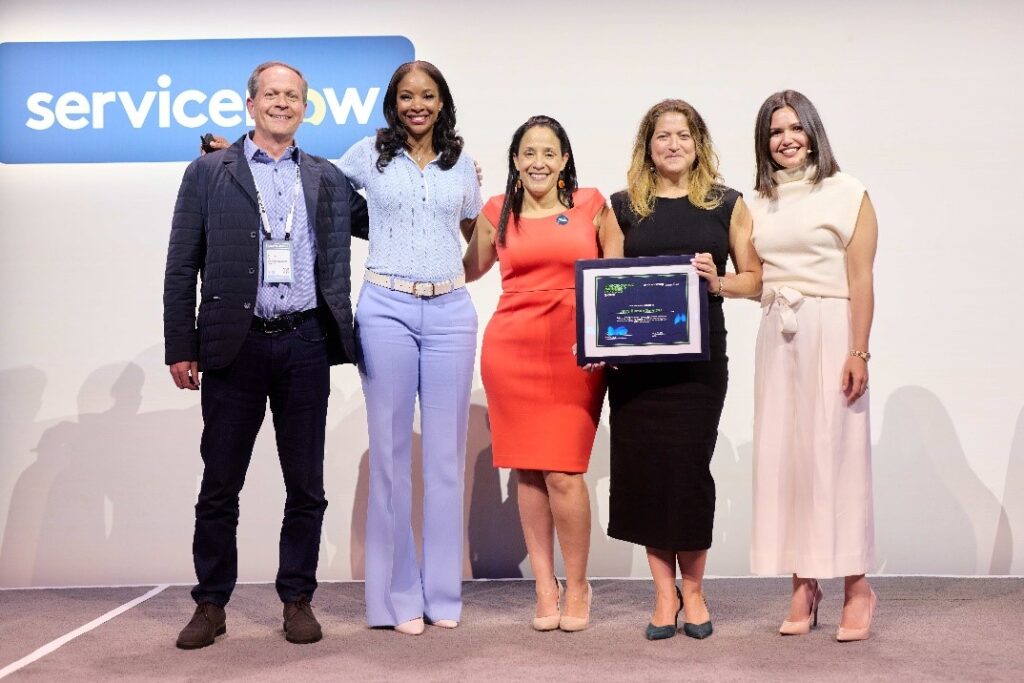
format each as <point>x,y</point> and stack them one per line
<point>863,355</point>
<point>721,288</point>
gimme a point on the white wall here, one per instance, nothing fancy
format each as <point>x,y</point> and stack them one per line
<point>99,453</point>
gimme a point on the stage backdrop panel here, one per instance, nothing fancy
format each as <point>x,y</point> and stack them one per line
<point>99,460</point>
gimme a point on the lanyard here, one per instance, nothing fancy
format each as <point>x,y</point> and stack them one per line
<point>265,219</point>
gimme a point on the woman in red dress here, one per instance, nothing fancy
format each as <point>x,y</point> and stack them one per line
<point>543,408</point>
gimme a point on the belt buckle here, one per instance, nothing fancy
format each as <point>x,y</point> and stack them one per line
<point>273,326</point>
<point>423,290</point>
<point>282,323</point>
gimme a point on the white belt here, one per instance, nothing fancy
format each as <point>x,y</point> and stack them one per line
<point>417,289</point>
<point>786,299</point>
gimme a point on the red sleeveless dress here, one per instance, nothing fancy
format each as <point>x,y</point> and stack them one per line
<point>543,408</point>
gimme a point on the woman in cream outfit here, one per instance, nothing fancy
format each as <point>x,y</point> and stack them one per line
<point>815,231</point>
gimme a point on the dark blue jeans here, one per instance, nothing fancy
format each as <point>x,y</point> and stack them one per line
<point>293,371</point>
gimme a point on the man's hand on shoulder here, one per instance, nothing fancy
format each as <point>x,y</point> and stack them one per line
<point>185,374</point>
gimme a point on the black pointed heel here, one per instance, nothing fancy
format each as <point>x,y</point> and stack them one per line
<point>699,631</point>
<point>662,632</point>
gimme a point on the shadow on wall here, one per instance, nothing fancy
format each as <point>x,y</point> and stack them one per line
<point>608,556</point>
<point>931,510</point>
<point>932,513</point>
<point>106,495</point>
<point>494,544</point>
<point>496,547</point>
<point>1007,558</point>
<point>21,395</point>
<point>731,468</point>
<point>344,474</point>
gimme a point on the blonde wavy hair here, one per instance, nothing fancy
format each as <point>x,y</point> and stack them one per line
<point>705,183</point>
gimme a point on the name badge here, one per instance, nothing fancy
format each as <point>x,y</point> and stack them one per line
<point>277,262</point>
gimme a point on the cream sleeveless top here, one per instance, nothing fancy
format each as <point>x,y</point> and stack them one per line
<point>801,236</point>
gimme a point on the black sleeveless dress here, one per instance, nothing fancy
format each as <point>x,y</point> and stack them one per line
<point>664,416</point>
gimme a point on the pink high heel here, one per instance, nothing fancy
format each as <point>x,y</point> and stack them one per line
<point>568,623</point>
<point>413,627</point>
<point>848,635</point>
<point>549,622</point>
<point>804,626</point>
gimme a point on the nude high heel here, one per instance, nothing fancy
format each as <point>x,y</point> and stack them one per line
<point>413,627</point>
<point>804,626</point>
<point>567,623</point>
<point>848,635</point>
<point>549,622</point>
<point>443,623</point>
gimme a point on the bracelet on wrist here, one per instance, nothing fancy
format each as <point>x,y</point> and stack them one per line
<point>863,355</point>
<point>721,288</point>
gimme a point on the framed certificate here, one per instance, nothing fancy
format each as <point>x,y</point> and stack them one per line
<point>640,310</point>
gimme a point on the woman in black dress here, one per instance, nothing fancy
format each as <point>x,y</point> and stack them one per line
<point>664,416</point>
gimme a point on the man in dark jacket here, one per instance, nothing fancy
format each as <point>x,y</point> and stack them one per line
<point>268,227</point>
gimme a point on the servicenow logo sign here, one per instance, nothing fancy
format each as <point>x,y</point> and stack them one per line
<point>150,100</point>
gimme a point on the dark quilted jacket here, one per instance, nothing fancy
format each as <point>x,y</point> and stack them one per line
<point>215,234</point>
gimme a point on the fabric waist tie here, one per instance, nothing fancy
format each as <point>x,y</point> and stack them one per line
<point>786,300</point>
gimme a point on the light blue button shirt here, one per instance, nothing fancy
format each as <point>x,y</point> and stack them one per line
<point>275,181</point>
<point>414,213</point>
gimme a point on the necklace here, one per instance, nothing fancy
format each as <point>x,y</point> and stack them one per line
<point>419,156</point>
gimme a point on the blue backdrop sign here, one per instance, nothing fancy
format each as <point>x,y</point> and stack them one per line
<point>150,100</point>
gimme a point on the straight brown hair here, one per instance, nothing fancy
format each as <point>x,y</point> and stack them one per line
<point>817,139</point>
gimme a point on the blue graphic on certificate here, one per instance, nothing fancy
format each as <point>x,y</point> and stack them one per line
<point>640,310</point>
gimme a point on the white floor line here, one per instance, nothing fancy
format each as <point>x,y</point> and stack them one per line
<point>67,638</point>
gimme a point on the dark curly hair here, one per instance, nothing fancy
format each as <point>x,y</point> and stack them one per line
<point>393,139</point>
<point>513,204</point>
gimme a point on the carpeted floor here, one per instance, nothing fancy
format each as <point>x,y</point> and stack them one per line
<point>925,629</point>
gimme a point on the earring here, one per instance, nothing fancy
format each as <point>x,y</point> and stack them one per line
<point>519,184</point>
<point>561,184</point>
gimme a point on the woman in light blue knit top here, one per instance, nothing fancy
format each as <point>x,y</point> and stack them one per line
<point>417,330</point>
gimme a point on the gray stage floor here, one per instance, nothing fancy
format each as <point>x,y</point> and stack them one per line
<point>925,629</point>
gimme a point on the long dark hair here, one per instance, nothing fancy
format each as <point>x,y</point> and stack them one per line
<point>826,163</point>
<point>392,140</point>
<point>514,192</point>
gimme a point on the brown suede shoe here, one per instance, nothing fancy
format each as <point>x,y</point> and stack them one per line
<point>207,623</point>
<point>300,626</point>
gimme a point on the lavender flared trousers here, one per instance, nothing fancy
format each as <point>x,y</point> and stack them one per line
<point>410,346</point>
